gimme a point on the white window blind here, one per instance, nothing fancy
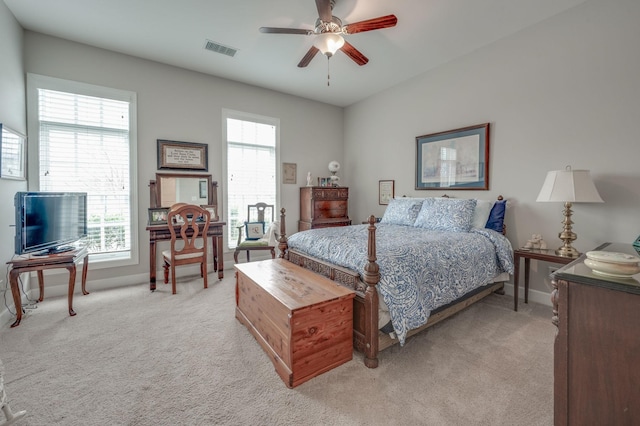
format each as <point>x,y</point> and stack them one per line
<point>84,146</point>
<point>251,170</point>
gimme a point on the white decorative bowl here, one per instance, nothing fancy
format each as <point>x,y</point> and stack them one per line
<point>613,264</point>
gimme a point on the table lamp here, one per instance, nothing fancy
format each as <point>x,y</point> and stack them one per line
<point>568,186</point>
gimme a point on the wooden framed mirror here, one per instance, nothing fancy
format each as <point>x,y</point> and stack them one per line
<point>192,188</point>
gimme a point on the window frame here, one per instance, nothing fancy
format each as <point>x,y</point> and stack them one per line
<point>245,116</point>
<point>35,82</point>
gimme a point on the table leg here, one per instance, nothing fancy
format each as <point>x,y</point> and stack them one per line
<point>41,285</point>
<point>527,264</point>
<point>85,267</point>
<point>152,265</point>
<point>72,284</point>
<point>220,258</point>
<point>214,252</point>
<point>516,279</point>
<point>15,291</point>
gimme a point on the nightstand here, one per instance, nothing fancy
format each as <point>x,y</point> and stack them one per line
<point>547,255</point>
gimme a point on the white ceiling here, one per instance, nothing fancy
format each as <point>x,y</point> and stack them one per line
<point>428,34</point>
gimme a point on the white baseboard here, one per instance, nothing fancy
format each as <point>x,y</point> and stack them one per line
<point>537,296</point>
<point>61,289</point>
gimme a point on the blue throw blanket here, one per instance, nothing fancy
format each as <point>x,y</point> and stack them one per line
<point>420,270</point>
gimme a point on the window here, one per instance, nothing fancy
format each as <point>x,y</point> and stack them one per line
<point>86,143</point>
<point>251,151</point>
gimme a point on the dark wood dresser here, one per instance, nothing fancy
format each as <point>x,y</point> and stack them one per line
<point>322,207</point>
<point>597,345</point>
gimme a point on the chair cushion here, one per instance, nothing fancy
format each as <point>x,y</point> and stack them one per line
<point>253,243</point>
<point>167,254</point>
<point>254,230</point>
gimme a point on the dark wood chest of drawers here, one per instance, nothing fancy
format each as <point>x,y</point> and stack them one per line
<point>597,348</point>
<point>322,207</point>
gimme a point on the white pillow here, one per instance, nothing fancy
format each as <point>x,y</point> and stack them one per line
<point>481,213</point>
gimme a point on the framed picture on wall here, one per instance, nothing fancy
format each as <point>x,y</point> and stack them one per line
<point>182,155</point>
<point>455,159</point>
<point>385,191</point>
<point>13,158</point>
<point>289,172</point>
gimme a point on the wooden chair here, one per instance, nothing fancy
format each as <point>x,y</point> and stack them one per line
<point>267,241</point>
<point>188,225</point>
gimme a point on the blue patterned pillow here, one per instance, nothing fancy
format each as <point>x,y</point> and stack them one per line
<point>402,211</point>
<point>445,214</point>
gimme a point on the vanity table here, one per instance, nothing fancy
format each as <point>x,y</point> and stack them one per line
<point>170,188</point>
<point>597,349</point>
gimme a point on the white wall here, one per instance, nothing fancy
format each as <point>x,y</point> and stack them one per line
<point>13,115</point>
<point>563,92</point>
<point>175,104</point>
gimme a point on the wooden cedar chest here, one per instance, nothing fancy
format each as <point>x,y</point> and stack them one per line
<point>302,320</point>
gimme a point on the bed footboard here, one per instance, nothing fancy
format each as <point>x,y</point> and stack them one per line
<point>365,310</point>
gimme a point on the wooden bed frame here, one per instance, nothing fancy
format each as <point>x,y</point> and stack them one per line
<point>366,336</point>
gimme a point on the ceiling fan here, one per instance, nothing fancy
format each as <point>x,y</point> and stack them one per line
<point>329,30</point>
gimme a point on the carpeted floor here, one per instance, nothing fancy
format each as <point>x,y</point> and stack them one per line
<point>132,357</point>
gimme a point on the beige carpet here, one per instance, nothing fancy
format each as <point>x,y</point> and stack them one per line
<point>132,357</point>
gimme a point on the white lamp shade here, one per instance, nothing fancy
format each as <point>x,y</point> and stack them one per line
<point>569,185</point>
<point>328,43</point>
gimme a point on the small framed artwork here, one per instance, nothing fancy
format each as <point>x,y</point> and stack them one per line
<point>455,159</point>
<point>158,216</point>
<point>324,181</point>
<point>289,172</point>
<point>385,191</point>
<point>182,155</point>
<point>13,159</point>
<point>203,189</point>
<point>212,212</point>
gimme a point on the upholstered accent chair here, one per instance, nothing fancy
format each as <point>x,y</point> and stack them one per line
<point>260,231</point>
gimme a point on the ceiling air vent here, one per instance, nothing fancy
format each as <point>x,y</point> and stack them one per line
<point>219,48</point>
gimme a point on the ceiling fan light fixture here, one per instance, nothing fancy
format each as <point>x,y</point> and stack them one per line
<point>328,43</point>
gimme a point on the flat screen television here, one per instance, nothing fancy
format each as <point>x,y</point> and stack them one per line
<point>46,222</point>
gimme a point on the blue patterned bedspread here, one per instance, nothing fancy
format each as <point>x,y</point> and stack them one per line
<point>420,270</point>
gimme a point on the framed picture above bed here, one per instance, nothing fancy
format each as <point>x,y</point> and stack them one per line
<point>454,159</point>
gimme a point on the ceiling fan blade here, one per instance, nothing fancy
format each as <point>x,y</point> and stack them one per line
<point>371,24</point>
<point>354,54</point>
<point>271,30</point>
<point>308,57</point>
<point>324,10</point>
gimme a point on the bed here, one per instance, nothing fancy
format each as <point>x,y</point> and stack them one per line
<point>425,260</point>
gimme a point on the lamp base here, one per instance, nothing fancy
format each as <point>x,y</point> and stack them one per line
<point>567,235</point>
<point>567,252</point>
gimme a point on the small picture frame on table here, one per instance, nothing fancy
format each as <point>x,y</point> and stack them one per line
<point>385,191</point>
<point>158,216</point>
<point>324,181</point>
<point>212,212</point>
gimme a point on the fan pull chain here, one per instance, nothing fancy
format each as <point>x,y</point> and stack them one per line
<point>328,72</point>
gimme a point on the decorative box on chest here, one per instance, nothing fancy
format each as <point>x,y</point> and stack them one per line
<point>322,207</point>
